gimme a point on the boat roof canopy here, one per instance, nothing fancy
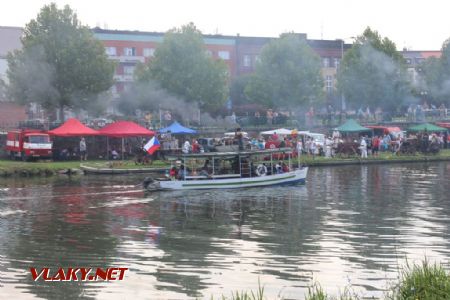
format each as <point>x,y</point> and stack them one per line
<point>231,154</point>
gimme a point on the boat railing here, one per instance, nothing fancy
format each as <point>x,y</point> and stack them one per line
<point>213,176</point>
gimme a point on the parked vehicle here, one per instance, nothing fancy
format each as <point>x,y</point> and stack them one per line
<point>208,144</point>
<point>28,143</point>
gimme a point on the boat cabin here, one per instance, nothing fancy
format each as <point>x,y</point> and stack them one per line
<point>240,164</point>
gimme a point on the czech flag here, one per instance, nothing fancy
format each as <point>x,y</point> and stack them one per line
<point>152,145</point>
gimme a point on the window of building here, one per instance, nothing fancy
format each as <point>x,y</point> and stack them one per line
<point>257,59</point>
<point>247,60</point>
<point>129,51</point>
<point>225,55</point>
<point>326,62</point>
<point>128,70</point>
<point>337,62</point>
<point>419,60</point>
<point>329,84</point>
<point>111,51</point>
<point>149,52</point>
<point>408,61</point>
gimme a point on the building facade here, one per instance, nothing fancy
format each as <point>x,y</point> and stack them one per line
<point>9,41</point>
<point>239,53</point>
<point>413,60</point>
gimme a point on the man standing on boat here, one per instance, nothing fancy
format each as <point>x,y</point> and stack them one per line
<point>238,136</point>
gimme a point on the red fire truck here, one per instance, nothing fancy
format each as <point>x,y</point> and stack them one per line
<point>28,143</point>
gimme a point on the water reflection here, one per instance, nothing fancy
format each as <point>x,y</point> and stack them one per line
<point>347,225</point>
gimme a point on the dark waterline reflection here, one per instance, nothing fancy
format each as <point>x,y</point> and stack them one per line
<point>347,226</point>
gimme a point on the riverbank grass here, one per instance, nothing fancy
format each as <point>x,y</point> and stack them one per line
<point>382,157</point>
<point>11,167</point>
<point>423,281</point>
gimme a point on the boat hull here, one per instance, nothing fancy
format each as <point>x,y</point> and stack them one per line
<point>297,176</point>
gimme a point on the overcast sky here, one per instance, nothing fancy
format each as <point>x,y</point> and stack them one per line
<point>417,25</point>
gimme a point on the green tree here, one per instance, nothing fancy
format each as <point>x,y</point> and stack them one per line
<point>2,90</point>
<point>61,64</point>
<point>373,73</point>
<point>182,66</point>
<point>287,75</point>
<point>435,73</point>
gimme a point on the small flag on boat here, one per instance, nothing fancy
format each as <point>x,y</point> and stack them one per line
<point>152,145</point>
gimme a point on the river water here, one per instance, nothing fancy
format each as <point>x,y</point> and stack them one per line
<point>349,226</point>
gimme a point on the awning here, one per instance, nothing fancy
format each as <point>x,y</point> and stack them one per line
<point>280,131</point>
<point>177,128</point>
<point>426,127</point>
<point>73,127</point>
<point>444,124</point>
<point>122,129</point>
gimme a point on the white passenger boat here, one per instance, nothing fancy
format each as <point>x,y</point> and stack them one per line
<point>229,170</point>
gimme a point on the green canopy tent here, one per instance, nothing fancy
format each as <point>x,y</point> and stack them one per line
<point>426,127</point>
<point>351,126</point>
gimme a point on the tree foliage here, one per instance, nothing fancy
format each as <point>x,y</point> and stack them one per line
<point>182,66</point>
<point>2,90</point>
<point>61,64</point>
<point>373,73</point>
<point>287,75</point>
<point>435,73</point>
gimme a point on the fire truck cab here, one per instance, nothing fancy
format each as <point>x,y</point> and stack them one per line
<point>28,143</point>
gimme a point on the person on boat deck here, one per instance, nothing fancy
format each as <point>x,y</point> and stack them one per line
<point>182,173</point>
<point>284,167</point>
<point>195,146</point>
<point>173,173</point>
<point>279,168</point>
<point>205,168</point>
<point>186,147</point>
<point>239,137</point>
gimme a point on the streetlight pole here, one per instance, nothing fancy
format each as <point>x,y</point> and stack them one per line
<point>343,106</point>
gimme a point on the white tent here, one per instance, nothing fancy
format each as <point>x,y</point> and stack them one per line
<point>280,131</point>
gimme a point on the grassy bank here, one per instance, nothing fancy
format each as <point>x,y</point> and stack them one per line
<point>422,281</point>
<point>383,157</point>
<point>48,168</point>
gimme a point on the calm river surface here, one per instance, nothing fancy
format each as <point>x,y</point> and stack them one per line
<point>347,226</point>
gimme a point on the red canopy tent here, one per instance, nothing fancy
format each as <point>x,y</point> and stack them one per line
<point>123,129</point>
<point>73,127</point>
<point>443,124</point>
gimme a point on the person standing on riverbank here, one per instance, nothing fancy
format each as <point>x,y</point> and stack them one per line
<point>83,149</point>
<point>363,147</point>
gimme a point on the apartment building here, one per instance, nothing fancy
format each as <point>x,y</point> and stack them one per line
<point>240,53</point>
<point>414,59</point>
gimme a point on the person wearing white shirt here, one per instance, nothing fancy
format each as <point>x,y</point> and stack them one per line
<point>363,147</point>
<point>186,147</point>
